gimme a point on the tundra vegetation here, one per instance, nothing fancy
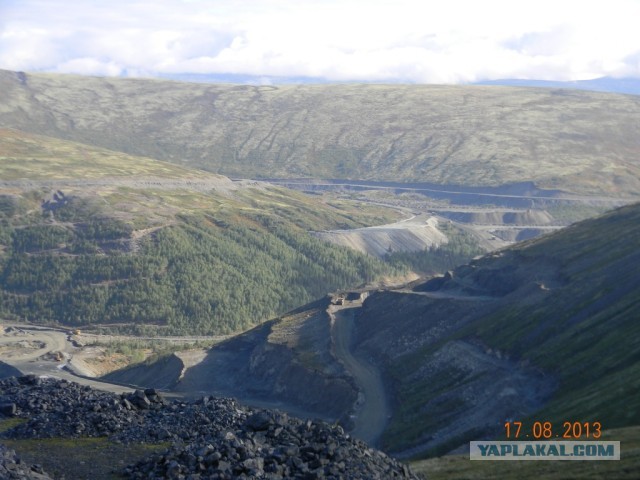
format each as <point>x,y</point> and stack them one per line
<point>577,141</point>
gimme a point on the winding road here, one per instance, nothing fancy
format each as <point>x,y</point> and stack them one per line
<point>372,410</point>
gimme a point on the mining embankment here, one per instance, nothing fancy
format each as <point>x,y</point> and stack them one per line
<point>457,389</point>
<point>496,216</point>
<point>286,363</point>
<point>415,234</point>
<point>7,370</point>
<point>501,217</point>
<point>162,373</point>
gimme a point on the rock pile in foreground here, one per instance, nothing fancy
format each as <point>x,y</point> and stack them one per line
<point>211,438</point>
<point>12,468</point>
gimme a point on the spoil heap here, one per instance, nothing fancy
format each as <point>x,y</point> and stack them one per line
<point>210,437</point>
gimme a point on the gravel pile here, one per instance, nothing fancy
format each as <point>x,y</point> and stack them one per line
<point>272,445</point>
<point>12,468</point>
<point>210,437</point>
<point>58,408</point>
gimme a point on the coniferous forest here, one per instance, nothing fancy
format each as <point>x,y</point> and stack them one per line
<point>203,274</point>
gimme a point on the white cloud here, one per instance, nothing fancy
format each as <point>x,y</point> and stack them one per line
<point>401,40</point>
<point>91,66</point>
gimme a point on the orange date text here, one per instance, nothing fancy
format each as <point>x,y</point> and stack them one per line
<point>547,430</point>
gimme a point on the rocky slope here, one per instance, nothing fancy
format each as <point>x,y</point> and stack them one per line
<point>209,437</point>
<point>466,135</point>
<point>497,217</point>
<point>163,373</point>
<point>8,371</point>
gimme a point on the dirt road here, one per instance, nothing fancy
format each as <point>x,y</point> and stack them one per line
<point>372,411</point>
<point>446,295</point>
<point>44,352</point>
<point>22,346</point>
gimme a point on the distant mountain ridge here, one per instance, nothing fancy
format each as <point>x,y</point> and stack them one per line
<point>570,140</point>
<point>602,84</point>
<point>629,85</point>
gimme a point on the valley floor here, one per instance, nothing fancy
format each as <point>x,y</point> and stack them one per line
<point>47,352</point>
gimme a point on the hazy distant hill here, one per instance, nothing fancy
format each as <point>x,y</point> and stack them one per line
<point>566,139</point>
<point>602,84</point>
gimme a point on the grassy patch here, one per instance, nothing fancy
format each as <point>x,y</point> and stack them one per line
<point>411,419</point>
<point>55,159</point>
<point>9,423</point>
<point>75,458</point>
<point>460,467</point>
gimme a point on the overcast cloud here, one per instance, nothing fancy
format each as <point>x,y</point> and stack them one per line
<point>420,41</point>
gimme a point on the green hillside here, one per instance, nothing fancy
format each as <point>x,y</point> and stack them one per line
<point>586,329</point>
<point>576,141</point>
<point>92,237</point>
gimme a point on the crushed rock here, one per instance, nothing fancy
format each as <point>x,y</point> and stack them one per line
<point>210,438</point>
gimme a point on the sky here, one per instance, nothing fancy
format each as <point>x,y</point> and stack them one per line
<point>412,41</point>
